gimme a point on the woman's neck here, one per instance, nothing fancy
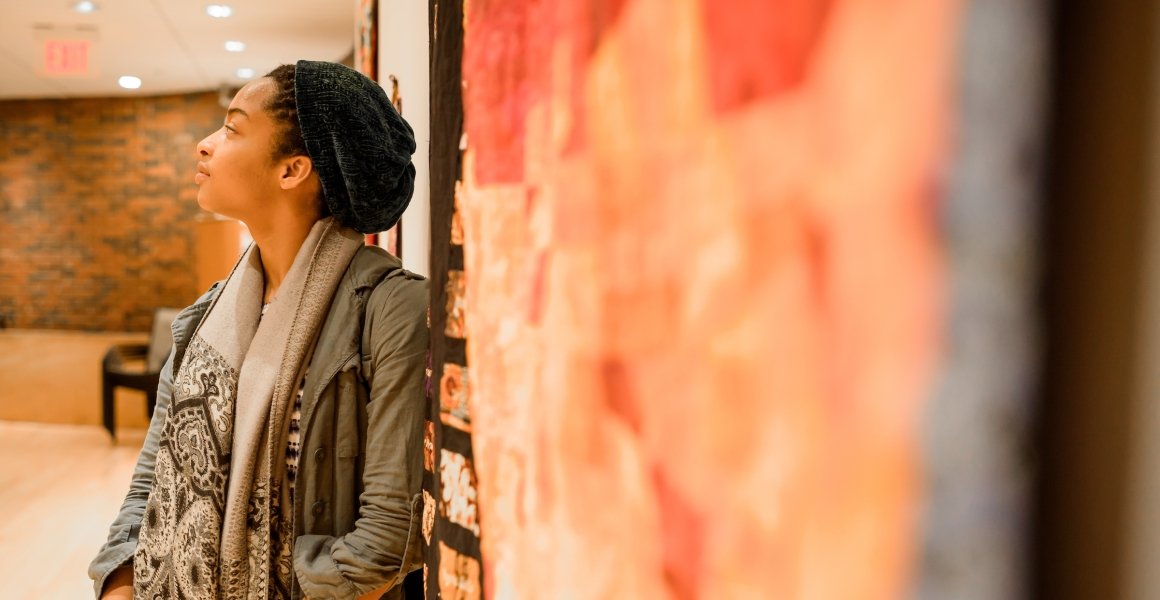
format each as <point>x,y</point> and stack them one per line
<point>278,244</point>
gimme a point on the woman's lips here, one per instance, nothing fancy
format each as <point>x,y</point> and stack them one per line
<point>201,175</point>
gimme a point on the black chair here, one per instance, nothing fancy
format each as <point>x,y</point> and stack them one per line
<point>122,367</point>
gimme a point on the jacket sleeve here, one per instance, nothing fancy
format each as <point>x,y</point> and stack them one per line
<point>384,545</point>
<point>122,541</point>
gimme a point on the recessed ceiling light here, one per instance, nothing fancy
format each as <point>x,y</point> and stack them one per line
<point>129,82</point>
<point>235,46</point>
<point>246,73</point>
<point>85,6</point>
<point>218,11</point>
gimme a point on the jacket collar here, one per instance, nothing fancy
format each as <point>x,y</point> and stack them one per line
<point>341,333</point>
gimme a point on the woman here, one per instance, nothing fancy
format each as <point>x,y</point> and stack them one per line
<point>284,457</point>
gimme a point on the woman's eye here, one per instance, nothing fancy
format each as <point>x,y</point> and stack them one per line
<point>230,129</point>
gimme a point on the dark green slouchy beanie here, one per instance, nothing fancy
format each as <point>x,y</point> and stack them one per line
<point>359,144</point>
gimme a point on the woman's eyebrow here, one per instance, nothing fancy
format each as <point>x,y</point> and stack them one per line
<point>237,110</point>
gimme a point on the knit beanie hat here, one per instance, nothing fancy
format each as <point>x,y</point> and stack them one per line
<point>360,146</point>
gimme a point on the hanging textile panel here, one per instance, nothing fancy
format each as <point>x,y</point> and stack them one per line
<point>702,292</point>
<point>453,565</point>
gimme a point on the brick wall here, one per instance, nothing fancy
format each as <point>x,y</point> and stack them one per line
<point>97,203</point>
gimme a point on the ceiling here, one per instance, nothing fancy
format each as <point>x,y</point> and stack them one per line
<point>171,45</point>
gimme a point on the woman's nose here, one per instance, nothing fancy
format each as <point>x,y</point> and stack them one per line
<point>205,146</point>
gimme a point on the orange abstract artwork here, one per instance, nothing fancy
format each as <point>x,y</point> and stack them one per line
<point>704,293</point>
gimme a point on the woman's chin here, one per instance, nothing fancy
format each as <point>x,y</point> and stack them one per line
<point>208,204</point>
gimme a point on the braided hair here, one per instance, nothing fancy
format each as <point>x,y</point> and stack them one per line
<point>283,109</point>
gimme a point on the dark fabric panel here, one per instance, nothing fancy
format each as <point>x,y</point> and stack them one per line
<point>454,351</point>
<point>457,538</point>
<point>446,33</point>
<point>455,258</point>
<point>456,440</point>
<point>446,129</point>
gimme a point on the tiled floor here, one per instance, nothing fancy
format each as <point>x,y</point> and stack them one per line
<point>60,487</point>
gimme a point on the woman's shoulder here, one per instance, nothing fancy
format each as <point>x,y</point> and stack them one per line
<point>400,291</point>
<point>392,292</point>
<point>396,314</point>
<point>373,267</point>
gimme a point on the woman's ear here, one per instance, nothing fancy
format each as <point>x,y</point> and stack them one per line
<point>295,171</point>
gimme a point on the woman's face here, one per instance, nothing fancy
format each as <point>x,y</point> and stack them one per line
<point>237,175</point>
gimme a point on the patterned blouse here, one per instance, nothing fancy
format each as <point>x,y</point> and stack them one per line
<point>282,530</point>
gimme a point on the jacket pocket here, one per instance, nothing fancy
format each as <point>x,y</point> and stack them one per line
<point>350,424</point>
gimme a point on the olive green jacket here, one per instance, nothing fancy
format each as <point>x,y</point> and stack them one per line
<point>358,501</point>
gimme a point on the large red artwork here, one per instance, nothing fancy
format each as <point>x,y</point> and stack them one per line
<point>704,291</point>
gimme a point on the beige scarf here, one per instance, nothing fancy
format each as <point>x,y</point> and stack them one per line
<point>207,525</point>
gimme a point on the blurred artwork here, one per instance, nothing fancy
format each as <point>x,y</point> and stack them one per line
<point>454,398</point>
<point>396,97</point>
<point>456,219</point>
<point>706,277</point>
<point>460,580</point>
<point>391,240</point>
<point>366,53</point>
<point>456,304</point>
<point>366,42</point>
<point>429,449</point>
<point>452,520</point>
<point>458,502</point>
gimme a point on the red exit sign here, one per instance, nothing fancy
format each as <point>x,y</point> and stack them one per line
<point>66,57</point>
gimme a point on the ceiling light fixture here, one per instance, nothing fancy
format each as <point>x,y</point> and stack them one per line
<point>85,7</point>
<point>235,46</point>
<point>245,73</point>
<point>218,11</point>
<point>129,82</point>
